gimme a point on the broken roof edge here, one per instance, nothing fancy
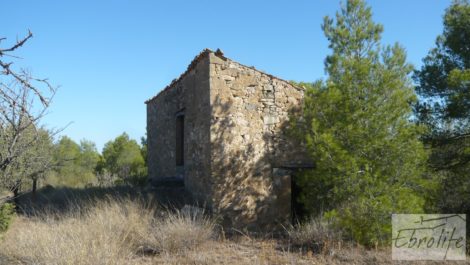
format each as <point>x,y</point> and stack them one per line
<point>219,54</point>
<point>176,80</point>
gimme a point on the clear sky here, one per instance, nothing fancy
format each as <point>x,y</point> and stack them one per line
<point>110,56</point>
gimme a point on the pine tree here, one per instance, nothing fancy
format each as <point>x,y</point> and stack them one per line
<point>357,127</point>
<point>444,89</point>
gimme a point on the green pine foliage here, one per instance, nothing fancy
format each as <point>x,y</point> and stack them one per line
<point>75,163</point>
<point>81,165</point>
<point>444,106</point>
<point>445,74</point>
<point>357,128</point>
<point>124,158</point>
<point>7,213</point>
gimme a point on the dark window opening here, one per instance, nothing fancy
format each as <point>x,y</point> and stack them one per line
<point>180,140</point>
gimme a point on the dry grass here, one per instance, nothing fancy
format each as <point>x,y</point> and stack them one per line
<point>179,232</point>
<point>110,232</point>
<point>125,231</point>
<point>316,234</point>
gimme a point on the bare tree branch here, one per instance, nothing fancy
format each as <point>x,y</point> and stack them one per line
<point>18,44</point>
<point>24,100</point>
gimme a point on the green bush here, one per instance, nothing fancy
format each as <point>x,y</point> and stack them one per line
<point>368,221</point>
<point>357,128</point>
<point>7,212</point>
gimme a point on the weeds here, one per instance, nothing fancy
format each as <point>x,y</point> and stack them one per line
<point>109,232</point>
<point>317,234</point>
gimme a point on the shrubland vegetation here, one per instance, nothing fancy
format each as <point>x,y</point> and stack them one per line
<point>378,148</point>
<point>126,227</point>
<point>70,164</point>
<point>356,124</point>
<point>384,140</point>
<point>80,165</point>
<point>124,158</point>
<point>7,211</point>
<point>107,231</point>
<point>31,155</point>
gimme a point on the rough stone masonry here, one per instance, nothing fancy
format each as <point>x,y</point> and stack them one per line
<point>222,128</point>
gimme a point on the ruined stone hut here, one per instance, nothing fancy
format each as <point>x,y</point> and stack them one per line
<point>221,129</point>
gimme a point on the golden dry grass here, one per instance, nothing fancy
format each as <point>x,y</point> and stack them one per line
<point>316,234</point>
<point>127,232</point>
<point>110,232</point>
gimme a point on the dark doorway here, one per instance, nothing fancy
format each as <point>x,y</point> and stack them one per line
<point>180,140</point>
<point>298,209</point>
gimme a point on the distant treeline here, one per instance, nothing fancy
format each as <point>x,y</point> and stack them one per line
<point>80,164</point>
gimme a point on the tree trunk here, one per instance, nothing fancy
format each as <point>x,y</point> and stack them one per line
<point>35,185</point>
<point>16,193</point>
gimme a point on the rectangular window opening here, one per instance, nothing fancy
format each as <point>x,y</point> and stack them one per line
<point>180,140</point>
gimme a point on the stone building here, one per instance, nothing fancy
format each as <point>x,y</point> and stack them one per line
<point>221,128</point>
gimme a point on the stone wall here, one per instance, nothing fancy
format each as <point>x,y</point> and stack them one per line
<point>249,121</point>
<point>237,152</point>
<point>189,95</point>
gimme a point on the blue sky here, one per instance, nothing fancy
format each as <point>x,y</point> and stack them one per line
<point>110,56</point>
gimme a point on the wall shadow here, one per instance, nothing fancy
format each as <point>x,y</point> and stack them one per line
<point>63,201</point>
<point>252,166</point>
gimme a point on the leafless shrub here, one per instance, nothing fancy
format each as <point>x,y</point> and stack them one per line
<point>24,100</point>
<point>106,179</point>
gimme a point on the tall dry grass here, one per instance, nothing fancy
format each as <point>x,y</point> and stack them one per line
<point>317,234</point>
<point>129,231</point>
<point>108,232</point>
